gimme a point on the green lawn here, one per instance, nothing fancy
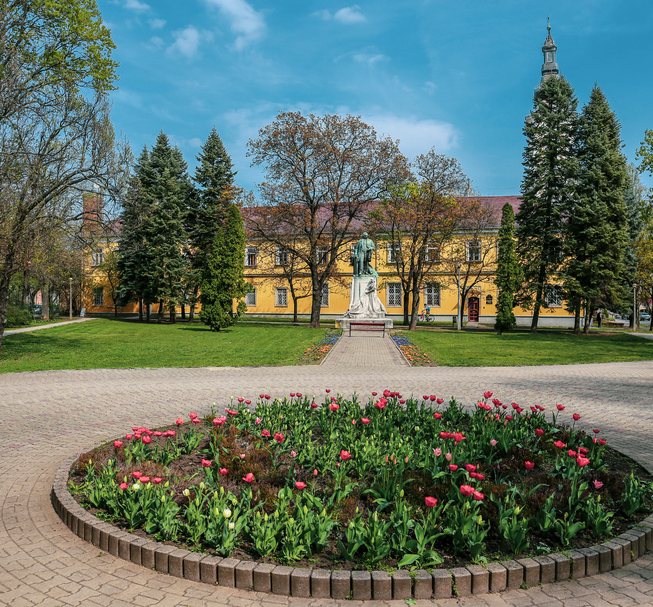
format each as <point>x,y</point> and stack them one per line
<point>108,343</point>
<point>486,349</point>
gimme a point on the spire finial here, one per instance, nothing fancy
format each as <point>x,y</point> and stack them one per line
<point>548,23</point>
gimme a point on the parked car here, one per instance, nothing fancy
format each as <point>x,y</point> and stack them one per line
<point>645,316</point>
<point>37,311</point>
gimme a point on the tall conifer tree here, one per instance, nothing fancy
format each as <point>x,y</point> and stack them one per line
<point>223,277</point>
<point>549,171</point>
<point>509,275</point>
<point>597,233</point>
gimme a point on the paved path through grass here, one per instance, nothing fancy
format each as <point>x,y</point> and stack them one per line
<point>46,416</point>
<point>48,326</point>
<point>366,349</point>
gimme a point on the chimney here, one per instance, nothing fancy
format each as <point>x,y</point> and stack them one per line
<point>92,211</point>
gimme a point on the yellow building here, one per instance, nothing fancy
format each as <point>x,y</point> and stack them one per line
<point>268,269</point>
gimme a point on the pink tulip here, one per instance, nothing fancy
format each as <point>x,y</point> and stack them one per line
<point>137,475</point>
<point>144,479</point>
<point>453,467</point>
<point>117,444</point>
<point>249,478</point>
<point>529,465</point>
<point>223,471</point>
<point>265,434</point>
<point>146,439</point>
<point>156,480</point>
<point>179,421</point>
<point>334,407</point>
<point>467,490</point>
<point>437,452</point>
<point>478,496</point>
<point>365,420</point>
<point>123,486</point>
<point>431,502</point>
<point>220,421</point>
<point>345,455</point>
<point>494,442</point>
<point>206,463</point>
<point>300,485</point>
<point>192,415</point>
<point>278,437</point>
<point>448,457</point>
<point>258,420</point>
<point>582,461</point>
<point>598,484</point>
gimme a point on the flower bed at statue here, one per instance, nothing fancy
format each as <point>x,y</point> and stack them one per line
<point>317,352</point>
<point>413,353</point>
<point>394,482</point>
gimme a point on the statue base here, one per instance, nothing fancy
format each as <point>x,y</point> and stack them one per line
<point>364,304</point>
<point>344,322</point>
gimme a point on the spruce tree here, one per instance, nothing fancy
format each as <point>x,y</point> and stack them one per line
<point>549,172</point>
<point>509,275</point>
<point>223,277</point>
<point>597,234</point>
<point>209,208</point>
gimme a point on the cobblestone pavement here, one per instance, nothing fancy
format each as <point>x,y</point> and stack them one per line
<point>46,416</point>
<point>365,349</point>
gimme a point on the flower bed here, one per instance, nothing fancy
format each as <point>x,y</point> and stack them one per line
<point>318,351</point>
<point>394,483</point>
<point>413,354</point>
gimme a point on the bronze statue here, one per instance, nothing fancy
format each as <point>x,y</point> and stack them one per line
<point>361,259</point>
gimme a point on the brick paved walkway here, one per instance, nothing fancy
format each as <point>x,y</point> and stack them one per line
<point>367,349</point>
<point>46,416</point>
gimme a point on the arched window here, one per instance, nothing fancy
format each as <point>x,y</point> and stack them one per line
<point>489,300</point>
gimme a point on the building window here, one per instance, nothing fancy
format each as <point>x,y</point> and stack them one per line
<point>98,297</point>
<point>489,300</point>
<point>282,257</point>
<point>553,295</point>
<point>432,295</point>
<point>281,299</point>
<point>394,252</point>
<point>97,257</point>
<point>250,256</point>
<point>322,254</point>
<point>393,293</point>
<point>325,295</point>
<point>473,250</point>
<point>432,253</point>
<point>250,299</point>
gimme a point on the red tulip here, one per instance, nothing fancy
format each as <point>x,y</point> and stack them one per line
<point>470,467</point>
<point>373,393</point>
<point>509,418</point>
<point>478,496</point>
<point>192,415</point>
<point>334,407</point>
<point>300,485</point>
<point>365,420</point>
<point>345,455</point>
<point>123,486</point>
<point>179,421</point>
<point>576,417</point>
<point>278,437</point>
<point>439,401</point>
<point>431,502</point>
<point>137,475</point>
<point>328,390</point>
<point>223,471</point>
<point>128,436</point>
<point>529,465</point>
<point>220,421</point>
<point>299,394</point>
<point>292,394</point>
<point>144,479</point>
<point>598,484</point>
<point>117,444</point>
<point>467,489</point>
<point>596,431</point>
<point>353,422</point>
<point>571,453</point>
<point>453,467</point>
<point>602,441</point>
<point>206,463</point>
<point>313,405</point>
<point>156,480</point>
<point>248,478</point>
<point>146,439</point>
<point>437,415</point>
<point>539,431</point>
<point>479,476</point>
<point>559,444</point>
<point>582,461</point>
<point>487,394</point>
<point>583,450</point>
<point>248,402</point>
<point>560,407</point>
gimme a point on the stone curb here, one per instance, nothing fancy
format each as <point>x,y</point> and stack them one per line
<point>359,585</point>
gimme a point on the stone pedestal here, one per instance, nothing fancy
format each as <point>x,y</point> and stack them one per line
<point>364,304</point>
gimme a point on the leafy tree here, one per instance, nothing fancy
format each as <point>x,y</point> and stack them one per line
<point>419,220</point>
<point>209,206</point>
<point>509,274</point>
<point>223,277</point>
<point>550,168</point>
<point>323,172</point>
<point>597,231</point>
<point>55,132</point>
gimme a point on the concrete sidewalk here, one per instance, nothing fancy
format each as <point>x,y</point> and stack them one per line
<point>48,326</point>
<point>364,349</point>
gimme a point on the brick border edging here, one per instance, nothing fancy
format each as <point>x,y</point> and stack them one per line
<point>360,585</point>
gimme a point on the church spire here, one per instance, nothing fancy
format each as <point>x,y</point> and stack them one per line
<point>550,67</point>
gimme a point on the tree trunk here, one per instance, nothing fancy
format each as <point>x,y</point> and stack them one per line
<point>294,312</point>
<point>183,309</point>
<point>4,305</point>
<point>140,309</point>
<point>45,298</point>
<point>148,311</point>
<point>406,297</point>
<point>536,307</point>
<point>588,317</point>
<point>159,316</point>
<point>191,313</point>
<point>173,313</point>
<point>415,310</point>
<point>577,319</point>
<point>23,297</point>
<point>316,301</point>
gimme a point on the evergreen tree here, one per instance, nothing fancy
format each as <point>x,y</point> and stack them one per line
<point>634,201</point>
<point>597,234</point>
<point>167,188</point>
<point>509,275</point>
<point>223,277</point>
<point>549,172</point>
<point>209,206</point>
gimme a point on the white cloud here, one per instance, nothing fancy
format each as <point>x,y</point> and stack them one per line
<point>156,24</point>
<point>187,42</point>
<point>156,42</point>
<point>417,136</point>
<point>369,58</point>
<point>243,19</point>
<point>136,5</point>
<point>350,15</point>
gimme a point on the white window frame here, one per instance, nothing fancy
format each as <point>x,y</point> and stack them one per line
<point>250,298</point>
<point>324,302</point>
<point>432,253</point>
<point>393,295</point>
<point>281,297</point>
<point>251,255</point>
<point>433,299</point>
<point>97,257</point>
<point>394,252</point>
<point>553,296</point>
<point>98,297</point>
<point>282,256</point>
<point>322,255</point>
<point>489,300</point>
<point>473,246</point>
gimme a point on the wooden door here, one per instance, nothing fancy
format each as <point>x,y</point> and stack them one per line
<point>473,309</point>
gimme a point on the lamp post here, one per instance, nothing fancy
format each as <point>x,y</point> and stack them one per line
<point>70,298</point>
<point>459,324</point>
<point>634,308</point>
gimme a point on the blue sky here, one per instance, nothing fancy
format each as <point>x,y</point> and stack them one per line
<point>455,75</point>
